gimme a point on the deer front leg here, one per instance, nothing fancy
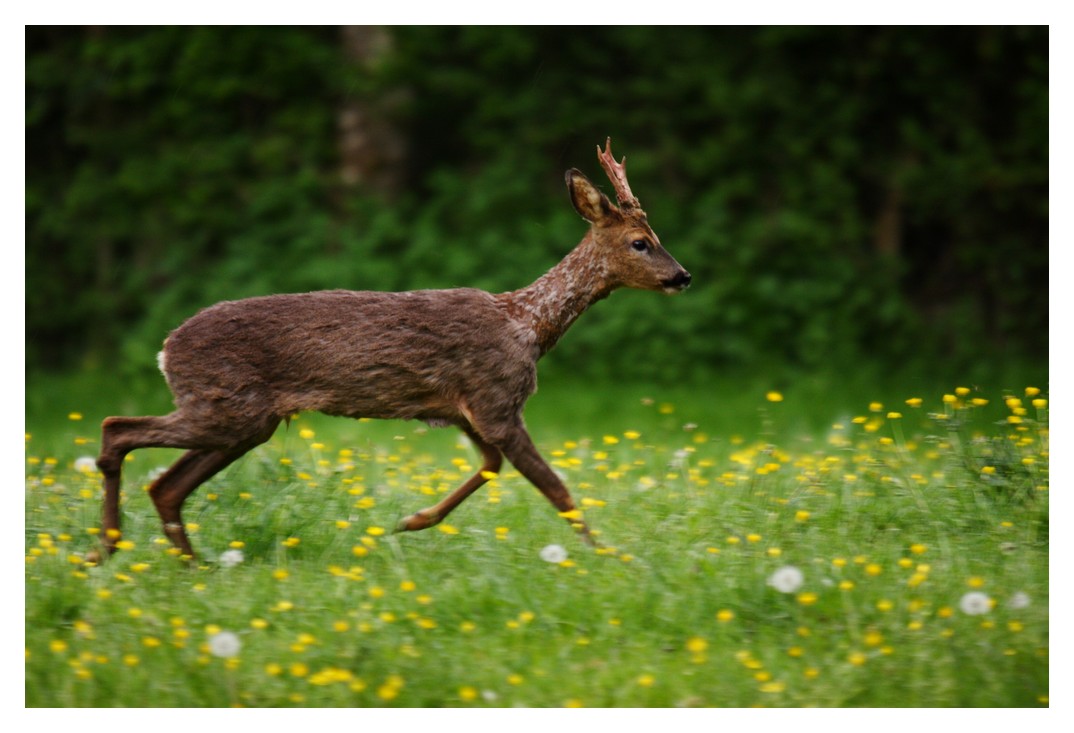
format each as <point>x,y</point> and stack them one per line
<point>433,515</point>
<point>520,450</point>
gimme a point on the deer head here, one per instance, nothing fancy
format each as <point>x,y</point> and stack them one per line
<point>628,248</point>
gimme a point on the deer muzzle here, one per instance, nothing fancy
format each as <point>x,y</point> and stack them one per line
<point>677,284</point>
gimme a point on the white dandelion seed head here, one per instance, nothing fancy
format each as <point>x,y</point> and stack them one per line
<point>786,579</point>
<point>224,644</point>
<point>231,558</point>
<point>975,603</point>
<point>553,553</point>
<point>85,464</point>
<point>1019,600</point>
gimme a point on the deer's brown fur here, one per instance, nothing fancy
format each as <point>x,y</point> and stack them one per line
<point>460,357</point>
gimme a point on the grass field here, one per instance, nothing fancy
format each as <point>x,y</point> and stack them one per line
<point>757,551</point>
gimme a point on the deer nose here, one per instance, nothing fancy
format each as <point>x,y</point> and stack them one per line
<point>681,281</point>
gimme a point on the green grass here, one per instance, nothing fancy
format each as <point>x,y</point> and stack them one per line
<point>891,520</point>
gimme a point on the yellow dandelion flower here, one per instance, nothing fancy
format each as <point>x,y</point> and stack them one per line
<point>375,531</point>
<point>724,615</point>
<point>801,515</point>
<point>280,574</point>
<point>467,694</point>
<point>447,529</point>
<point>807,598</point>
<point>857,659</point>
<point>873,569</point>
<point>696,645</point>
<point>306,434</point>
<point>646,680</point>
<point>774,396</point>
<point>573,703</point>
<point>914,402</point>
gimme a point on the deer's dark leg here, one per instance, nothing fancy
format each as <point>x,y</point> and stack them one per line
<point>168,492</point>
<point>119,436</point>
<point>433,515</point>
<point>213,446</point>
<point>520,450</point>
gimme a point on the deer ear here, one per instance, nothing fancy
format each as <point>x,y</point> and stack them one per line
<point>588,201</point>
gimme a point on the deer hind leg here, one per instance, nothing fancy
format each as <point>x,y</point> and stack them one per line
<point>433,515</point>
<point>168,492</point>
<point>519,449</point>
<point>121,435</point>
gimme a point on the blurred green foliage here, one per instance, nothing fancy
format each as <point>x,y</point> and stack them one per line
<point>839,194</point>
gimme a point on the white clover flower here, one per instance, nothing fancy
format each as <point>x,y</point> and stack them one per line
<point>224,644</point>
<point>86,464</point>
<point>975,603</point>
<point>1018,600</point>
<point>786,579</point>
<point>553,553</point>
<point>231,558</point>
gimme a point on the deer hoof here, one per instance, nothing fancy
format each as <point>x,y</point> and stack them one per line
<point>416,521</point>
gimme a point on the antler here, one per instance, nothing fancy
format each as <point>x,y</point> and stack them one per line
<point>617,175</point>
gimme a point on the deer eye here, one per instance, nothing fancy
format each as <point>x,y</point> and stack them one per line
<point>640,245</point>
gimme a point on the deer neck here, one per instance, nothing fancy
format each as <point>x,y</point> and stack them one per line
<point>551,304</point>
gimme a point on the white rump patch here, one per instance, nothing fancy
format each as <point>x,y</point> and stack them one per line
<point>161,362</point>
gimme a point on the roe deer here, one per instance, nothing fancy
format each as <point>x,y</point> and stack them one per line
<point>460,357</point>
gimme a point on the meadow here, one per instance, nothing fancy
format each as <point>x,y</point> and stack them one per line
<point>756,550</point>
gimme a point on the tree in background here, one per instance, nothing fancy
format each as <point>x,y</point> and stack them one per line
<point>837,192</point>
